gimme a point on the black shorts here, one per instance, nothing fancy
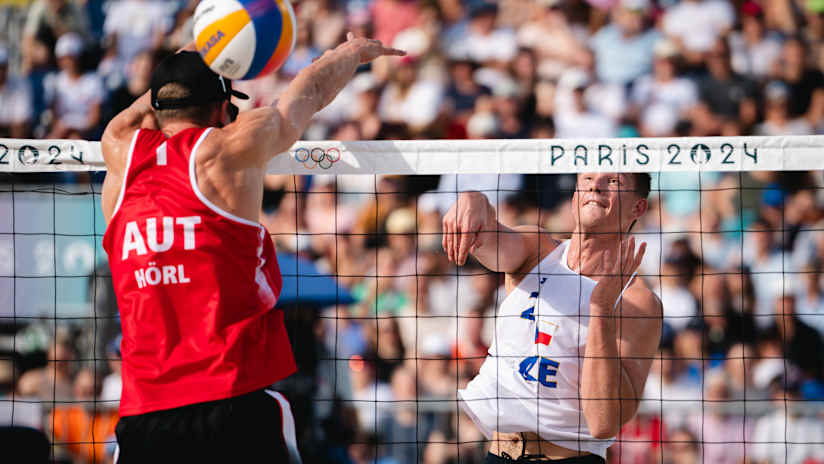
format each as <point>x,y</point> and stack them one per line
<point>255,427</point>
<point>586,459</point>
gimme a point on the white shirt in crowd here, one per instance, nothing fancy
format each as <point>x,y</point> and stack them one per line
<point>135,22</point>
<point>782,438</point>
<point>74,98</point>
<point>499,45</point>
<point>697,24</point>
<point>770,279</point>
<point>417,108</point>
<point>15,103</point>
<point>672,400</point>
<point>798,126</point>
<point>111,390</point>
<point>373,404</point>
<point>677,94</point>
<point>753,60</point>
<point>585,124</point>
<point>679,306</point>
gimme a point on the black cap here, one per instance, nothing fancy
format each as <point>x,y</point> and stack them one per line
<point>189,70</point>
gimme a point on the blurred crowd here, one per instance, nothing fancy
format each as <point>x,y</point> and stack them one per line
<point>736,258</point>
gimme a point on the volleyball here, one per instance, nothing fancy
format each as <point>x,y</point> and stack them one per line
<point>244,39</point>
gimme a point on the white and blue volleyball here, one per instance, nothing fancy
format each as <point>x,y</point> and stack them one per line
<point>244,39</point>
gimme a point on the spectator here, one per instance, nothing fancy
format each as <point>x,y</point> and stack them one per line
<point>786,420</point>
<point>696,25</point>
<point>663,98</point>
<point>435,367</point>
<point>463,91</point>
<point>137,25</point>
<point>754,51</point>
<point>400,432</point>
<point>137,83</point>
<point>728,97</point>
<point>112,384</point>
<point>810,298</point>
<point>79,425</point>
<point>407,99</point>
<point>555,40</point>
<point>682,447</point>
<point>623,49</point>
<point>17,410</point>
<point>678,303</point>
<point>765,262</point>
<point>47,21</point>
<point>15,100</point>
<point>806,84</point>
<point>484,42</point>
<point>670,389</point>
<point>304,52</point>
<point>324,22</point>
<point>364,111</point>
<point>722,433</point>
<point>372,399</point>
<point>578,118</point>
<point>52,382</point>
<point>393,16</point>
<point>777,120</point>
<point>76,95</point>
<point>801,344</point>
<point>738,374</point>
<point>722,326</point>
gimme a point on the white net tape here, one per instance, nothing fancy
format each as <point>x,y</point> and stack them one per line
<point>554,156</point>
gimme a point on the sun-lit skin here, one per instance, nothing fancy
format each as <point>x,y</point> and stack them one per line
<point>600,199</point>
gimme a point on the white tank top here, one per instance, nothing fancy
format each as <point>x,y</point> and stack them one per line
<point>530,380</point>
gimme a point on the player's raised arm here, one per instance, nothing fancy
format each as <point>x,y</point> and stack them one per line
<point>261,134</point>
<point>620,343</point>
<point>471,227</point>
<point>119,131</point>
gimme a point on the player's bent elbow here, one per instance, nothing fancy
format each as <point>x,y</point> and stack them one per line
<point>604,431</point>
<point>600,424</point>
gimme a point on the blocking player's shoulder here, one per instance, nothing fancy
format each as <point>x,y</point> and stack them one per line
<point>644,311</point>
<point>537,245</point>
<point>252,139</point>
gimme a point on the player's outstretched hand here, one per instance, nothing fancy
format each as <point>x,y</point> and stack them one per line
<point>619,266</point>
<point>368,49</point>
<point>462,226</point>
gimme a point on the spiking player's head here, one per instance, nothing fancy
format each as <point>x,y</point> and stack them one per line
<point>610,202</point>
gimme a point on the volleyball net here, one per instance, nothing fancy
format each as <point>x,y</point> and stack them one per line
<point>385,330</point>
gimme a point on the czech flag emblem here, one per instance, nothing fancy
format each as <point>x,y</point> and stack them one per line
<point>544,330</point>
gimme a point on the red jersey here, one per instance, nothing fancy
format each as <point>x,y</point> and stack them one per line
<point>196,286</point>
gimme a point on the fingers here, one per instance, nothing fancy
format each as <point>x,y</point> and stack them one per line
<point>392,51</point>
<point>448,239</point>
<point>478,243</point>
<point>467,239</point>
<point>444,234</point>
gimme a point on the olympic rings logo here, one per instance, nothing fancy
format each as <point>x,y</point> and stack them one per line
<point>317,157</point>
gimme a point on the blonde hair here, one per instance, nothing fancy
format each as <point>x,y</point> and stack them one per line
<point>199,114</point>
